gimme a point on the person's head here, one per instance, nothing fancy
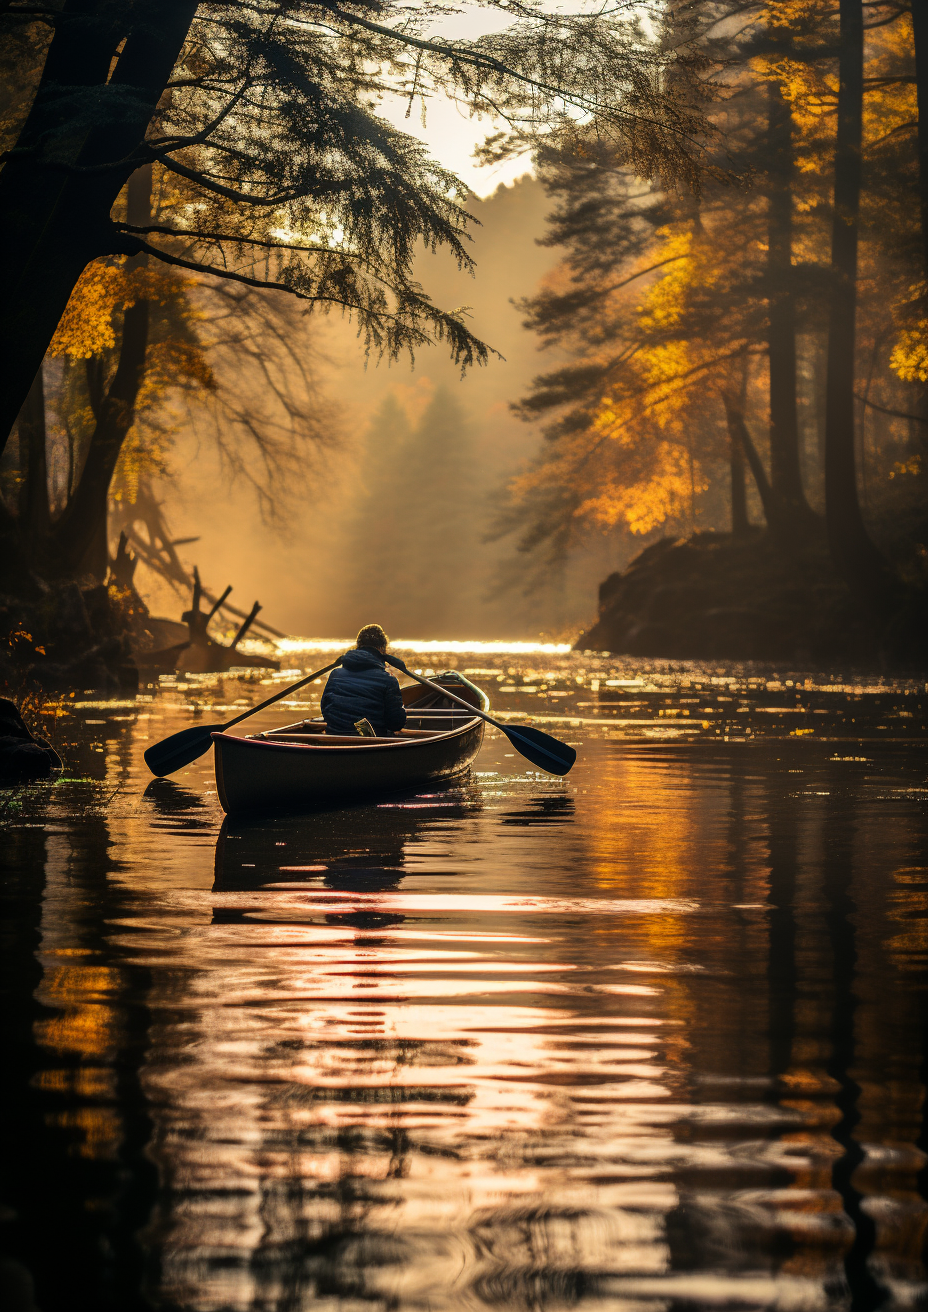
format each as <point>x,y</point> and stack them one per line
<point>372,635</point>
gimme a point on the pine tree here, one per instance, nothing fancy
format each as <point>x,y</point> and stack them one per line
<point>266,117</point>
<point>413,545</point>
<point>684,318</point>
<point>442,501</point>
<point>378,539</point>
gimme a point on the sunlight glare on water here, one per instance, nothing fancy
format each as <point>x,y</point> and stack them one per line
<point>648,1036</point>
<point>423,647</point>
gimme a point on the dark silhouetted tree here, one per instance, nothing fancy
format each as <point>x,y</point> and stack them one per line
<point>265,116</point>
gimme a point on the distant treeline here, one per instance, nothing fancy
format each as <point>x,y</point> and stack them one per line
<point>417,519</point>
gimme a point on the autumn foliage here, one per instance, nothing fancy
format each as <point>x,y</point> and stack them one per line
<point>676,313</point>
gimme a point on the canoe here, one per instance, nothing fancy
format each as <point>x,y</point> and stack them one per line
<point>299,766</point>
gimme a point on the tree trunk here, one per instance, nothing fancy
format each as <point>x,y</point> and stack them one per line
<point>819,372</point>
<point>920,34</point>
<point>740,524</point>
<point>740,435</point>
<point>785,466</point>
<point>854,555</point>
<point>34,510</point>
<point>54,221</point>
<point>81,532</point>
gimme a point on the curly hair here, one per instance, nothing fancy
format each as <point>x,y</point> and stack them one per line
<point>372,635</point>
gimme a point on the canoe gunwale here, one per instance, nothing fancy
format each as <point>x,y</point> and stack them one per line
<point>360,744</point>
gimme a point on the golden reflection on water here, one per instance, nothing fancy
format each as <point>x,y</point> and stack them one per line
<point>650,1035</point>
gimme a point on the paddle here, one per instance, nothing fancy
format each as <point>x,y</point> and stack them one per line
<point>539,748</point>
<point>181,748</point>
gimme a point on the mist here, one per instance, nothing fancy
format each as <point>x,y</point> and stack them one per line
<point>391,521</point>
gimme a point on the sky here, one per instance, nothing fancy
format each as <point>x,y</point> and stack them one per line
<point>449,132</point>
<point>451,137</point>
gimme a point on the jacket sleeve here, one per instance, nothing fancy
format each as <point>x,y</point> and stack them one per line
<point>394,712</point>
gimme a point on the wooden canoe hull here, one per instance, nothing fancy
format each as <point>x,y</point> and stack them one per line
<point>259,775</point>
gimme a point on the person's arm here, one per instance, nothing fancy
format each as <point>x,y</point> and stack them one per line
<point>394,712</point>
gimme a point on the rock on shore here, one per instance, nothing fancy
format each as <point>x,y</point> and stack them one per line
<point>22,754</point>
<point>716,596</point>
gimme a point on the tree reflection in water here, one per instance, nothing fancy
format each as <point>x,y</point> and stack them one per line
<point>652,1037</point>
<point>77,1183</point>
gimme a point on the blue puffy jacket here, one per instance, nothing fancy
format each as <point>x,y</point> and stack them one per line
<point>361,689</point>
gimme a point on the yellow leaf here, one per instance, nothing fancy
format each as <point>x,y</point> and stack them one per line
<point>86,327</point>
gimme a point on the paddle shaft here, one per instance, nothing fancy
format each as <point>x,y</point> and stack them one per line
<point>440,687</point>
<point>285,692</point>
<point>182,748</point>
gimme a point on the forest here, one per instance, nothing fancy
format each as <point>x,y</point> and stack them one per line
<point>193,196</point>
<point>746,362</point>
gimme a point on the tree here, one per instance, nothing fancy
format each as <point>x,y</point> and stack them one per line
<point>443,506</point>
<point>232,365</point>
<point>418,519</point>
<point>649,303</point>
<point>125,340</point>
<point>920,46</point>
<point>79,538</point>
<point>266,114</point>
<point>852,548</point>
<point>378,542</point>
<point>660,301</point>
<point>785,469</point>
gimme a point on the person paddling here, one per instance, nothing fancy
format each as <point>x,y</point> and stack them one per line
<point>361,689</point>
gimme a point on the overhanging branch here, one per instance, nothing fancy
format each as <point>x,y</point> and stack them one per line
<point>198,234</point>
<point>446,323</point>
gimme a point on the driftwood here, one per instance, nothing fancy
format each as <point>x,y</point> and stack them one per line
<point>159,553</point>
<point>201,654</point>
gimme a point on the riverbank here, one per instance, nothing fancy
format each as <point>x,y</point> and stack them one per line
<point>719,597</point>
<point>67,637</point>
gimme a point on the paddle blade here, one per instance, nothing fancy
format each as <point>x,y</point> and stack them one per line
<point>541,749</point>
<point>180,749</point>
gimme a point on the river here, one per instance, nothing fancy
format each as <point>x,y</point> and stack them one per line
<point>650,1036</point>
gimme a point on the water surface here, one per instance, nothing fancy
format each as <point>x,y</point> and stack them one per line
<point>652,1036</point>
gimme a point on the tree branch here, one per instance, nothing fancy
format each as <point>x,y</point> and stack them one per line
<point>442,319</point>
<point>198,234</point>
<point>883,410</point>
<point>240,197</point>
<point>479,59</point>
